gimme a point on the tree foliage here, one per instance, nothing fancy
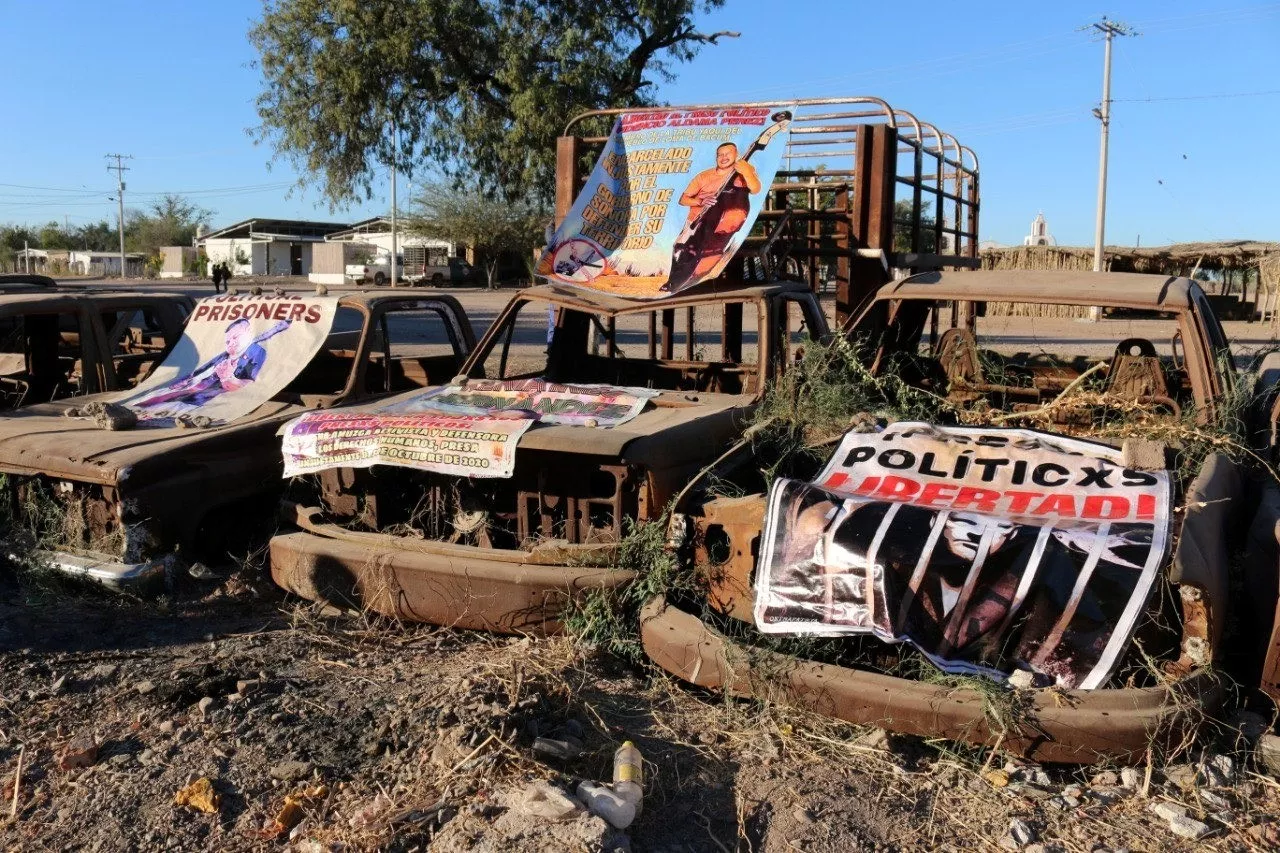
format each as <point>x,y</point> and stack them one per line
<point>490,226</point>
<point>170,221</point>
<point>478,89</point>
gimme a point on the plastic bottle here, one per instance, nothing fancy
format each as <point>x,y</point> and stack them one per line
<point>603,800</point>
<point>628,775</point>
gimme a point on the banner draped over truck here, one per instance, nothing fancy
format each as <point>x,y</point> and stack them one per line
<point>988,549</point>
<point>670,200</point>
<point>235,353</point>
<point>469,430</point>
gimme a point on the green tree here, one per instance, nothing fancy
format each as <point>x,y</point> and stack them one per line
<point>100,236</point>
<point>170,221</point>
<point>902,227</point>
<point>53,236</point>
<point>488,225</point>
<point>478,89</point>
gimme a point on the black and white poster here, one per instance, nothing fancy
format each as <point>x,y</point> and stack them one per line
<point>988,549</point>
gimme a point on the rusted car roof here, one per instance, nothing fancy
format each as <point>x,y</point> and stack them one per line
<point>608,303</point>
<point>1074,287</point>
<point>54,300</point>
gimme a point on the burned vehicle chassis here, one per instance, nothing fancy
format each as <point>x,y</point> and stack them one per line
<point>722,537</point>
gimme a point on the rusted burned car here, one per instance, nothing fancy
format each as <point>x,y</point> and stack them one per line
<point>57,342</point>
<point>504,553</point>
<point>130,504</point>
<point>1153,378</point>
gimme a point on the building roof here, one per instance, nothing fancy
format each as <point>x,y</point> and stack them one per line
<point>1058,287</point>
<point>287,229</point>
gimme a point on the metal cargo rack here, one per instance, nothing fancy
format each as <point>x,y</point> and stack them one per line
<point>833,198</point>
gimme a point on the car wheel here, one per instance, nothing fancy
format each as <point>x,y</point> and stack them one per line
<point>437,280</point>
<point>379,279</point>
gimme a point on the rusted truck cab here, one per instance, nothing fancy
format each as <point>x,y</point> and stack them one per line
<point>127,507</point>
<point>1019,348</point>
<point>503,553</point>
<point>59,342</point>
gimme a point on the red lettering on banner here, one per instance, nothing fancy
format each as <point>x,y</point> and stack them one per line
<point>1147,507</point>
<point>296,312</point>
<point>1105,506</point>
<point>1020,501</point>
<point>983,500</point>
<point>897,488</point>
<point>836,480</point>
<point>281,312</point>
<point>201,310</point>
<point>934,492</point>
<point>1062,505</point>
<point>313,314</point>
<point>216,314</point>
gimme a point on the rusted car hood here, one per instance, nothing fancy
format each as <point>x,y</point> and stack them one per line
<point>41,439</point>
<point>674,424</point>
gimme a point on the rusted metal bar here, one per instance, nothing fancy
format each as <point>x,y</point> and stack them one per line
<point>567,178</point>
<point>668,333</point>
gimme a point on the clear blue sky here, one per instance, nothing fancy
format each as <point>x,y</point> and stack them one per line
<point>1194,130</point>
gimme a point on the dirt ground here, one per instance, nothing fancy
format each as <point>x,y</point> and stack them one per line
<point>407,738</point>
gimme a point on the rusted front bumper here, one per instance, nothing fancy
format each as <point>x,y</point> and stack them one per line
<point>1080,726</point>
<point>423,581</point>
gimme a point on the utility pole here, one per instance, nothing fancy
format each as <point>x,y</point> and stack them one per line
<point>120,168</point>
<point>1109,29</point>
<point>395,153</point>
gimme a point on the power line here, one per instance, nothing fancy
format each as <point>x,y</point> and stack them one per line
<point>1220,95</point>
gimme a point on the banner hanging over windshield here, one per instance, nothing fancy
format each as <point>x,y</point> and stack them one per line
<point>670,200</point>
<point>988,549</point>
<point>235,353</point>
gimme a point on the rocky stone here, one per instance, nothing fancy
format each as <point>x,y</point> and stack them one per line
<point>104,670</point>
<point>875,739</point>
<point>1130,777</point>
<point>205,705</point>
<point>144,687</point>
<point>1218,770</point>
<point>1267,752</point>
<point>290,771</point>
<point>166,727</point>
<point>1167,810</point>
<point>1188,827</point>
<point>245,686</point>
<point>81,751</point>
<point>1214,801</point>
<point>1143,454</point>
<point>801,814</point>
<point>544,800</point>
<point>1105,779</point>
<point>120,760</point>
<point>1181,776</point>
<point>1021,832</point>
<point>1065,802</point>
<point>1022,679</point>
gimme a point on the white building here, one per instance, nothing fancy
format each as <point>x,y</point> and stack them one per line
<point>374,235</point>
<point>1039,235</point>
<point>267,246</point>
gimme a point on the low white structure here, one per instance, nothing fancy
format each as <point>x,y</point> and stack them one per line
<point>374,234</point>
<point>267,246</point>
<point>105,263</point>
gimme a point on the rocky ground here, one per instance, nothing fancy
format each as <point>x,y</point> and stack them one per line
<point>240,720</point>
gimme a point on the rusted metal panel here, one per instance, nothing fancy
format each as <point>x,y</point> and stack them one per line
<point>1081,726</point>
<point>458,586</point>
<point>727,541</point>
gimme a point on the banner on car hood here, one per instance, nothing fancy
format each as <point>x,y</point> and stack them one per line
<point>671,198</point>
<point>235,353</point>
<point>545,402</point>
<point>461,446</point>
<point>469,430</point>
<point>988,549</point>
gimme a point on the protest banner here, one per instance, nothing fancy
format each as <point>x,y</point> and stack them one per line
<point>669,201</point>
<point>461,446</point>
<point>988,549</point>
<point>545,402</point>
<point>235,353</point>
<point>469,430</point>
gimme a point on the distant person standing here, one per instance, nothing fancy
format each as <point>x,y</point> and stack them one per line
<point>216,274</point>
